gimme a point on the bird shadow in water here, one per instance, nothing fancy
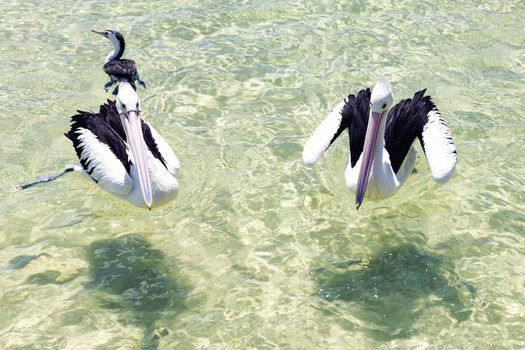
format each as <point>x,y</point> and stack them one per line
<point>388,292</point>
<point>135,280</point>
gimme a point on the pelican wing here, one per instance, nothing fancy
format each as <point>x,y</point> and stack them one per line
<point>419,117</point>
<point>352,113</point>
<point>324,135</point>
<point>436,140</point>
<point>101,150</point>
<point>160,148</point>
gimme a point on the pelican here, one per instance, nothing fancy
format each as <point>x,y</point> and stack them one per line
<point>115,66</point>
<point>122,153</point>
<point>381,135</point>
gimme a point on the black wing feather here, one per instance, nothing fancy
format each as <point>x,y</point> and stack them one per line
<point>355,117</point>
<point>406,121</point>
<point>150,142</point>
<point>106,127</point>
<point>357,111</point>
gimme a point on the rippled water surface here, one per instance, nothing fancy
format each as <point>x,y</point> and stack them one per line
<point>258,251</point>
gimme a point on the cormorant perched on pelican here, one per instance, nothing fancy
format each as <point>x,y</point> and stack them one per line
<point>115,66</point>
<point>122,153</point>
<point>381,137</point>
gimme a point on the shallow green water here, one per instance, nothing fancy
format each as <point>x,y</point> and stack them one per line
<point>258,251</point>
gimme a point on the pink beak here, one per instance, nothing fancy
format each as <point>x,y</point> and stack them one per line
<point>367,156</point>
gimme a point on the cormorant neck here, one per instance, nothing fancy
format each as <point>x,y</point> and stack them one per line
<point>118,49</point>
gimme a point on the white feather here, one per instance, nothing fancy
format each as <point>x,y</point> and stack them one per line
<point>172,162</point>
<point>104,166</point>
<point>439,148</point>
<point>319,142</point>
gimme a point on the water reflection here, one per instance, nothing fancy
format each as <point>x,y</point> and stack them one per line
<point>134,278</point>
<point>389,291</point>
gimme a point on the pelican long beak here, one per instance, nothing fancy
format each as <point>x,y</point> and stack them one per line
<point>367,157</point>
<point>133,127</point>
<point>97,32</point>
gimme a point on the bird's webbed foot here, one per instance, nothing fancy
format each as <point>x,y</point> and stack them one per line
<point>108,85</point>
<point>136,78</point>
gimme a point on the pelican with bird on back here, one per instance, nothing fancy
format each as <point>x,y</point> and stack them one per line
<point>121,152</point>
<point>382,134</point>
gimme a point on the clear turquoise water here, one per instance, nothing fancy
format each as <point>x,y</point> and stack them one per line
<point>258,251</point>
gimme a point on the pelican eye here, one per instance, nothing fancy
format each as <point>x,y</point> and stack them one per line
<point>124,106</point>
<point>383,106</point>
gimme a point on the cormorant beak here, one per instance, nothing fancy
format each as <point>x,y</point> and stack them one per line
<point>101,33</point>
<point>133,127</point>
<point>367,156</point>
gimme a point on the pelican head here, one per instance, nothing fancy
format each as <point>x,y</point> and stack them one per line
<point>128,108</point>
<point>381,98</point>
<point>118,43</point>
<point>381,101</point>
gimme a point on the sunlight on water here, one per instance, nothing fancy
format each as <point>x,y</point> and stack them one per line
<point>258,251</point>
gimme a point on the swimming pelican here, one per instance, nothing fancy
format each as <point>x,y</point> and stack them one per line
<point>122,153</point>
<point>115,66</point>
<point>381,137</point>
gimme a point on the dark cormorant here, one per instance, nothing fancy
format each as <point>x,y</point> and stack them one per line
<point>116,67</point>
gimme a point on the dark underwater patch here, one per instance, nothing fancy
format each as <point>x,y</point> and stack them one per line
<point>390,290</point>
<point>135,279</point>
